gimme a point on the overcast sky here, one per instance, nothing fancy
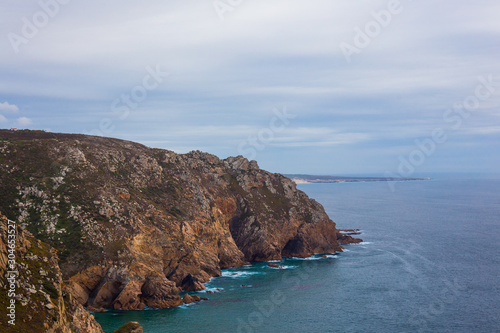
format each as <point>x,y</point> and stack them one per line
<point>318,86</point>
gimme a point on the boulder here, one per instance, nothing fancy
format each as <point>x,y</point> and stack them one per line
<point>158,292</point>
<point>96,310</point>
<point>188,299</point>
<point>131,327</point>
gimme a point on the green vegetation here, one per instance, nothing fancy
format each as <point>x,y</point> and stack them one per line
<point>176,212</point>
<point>50,289</point>
<point>307,216</point>
<point>234,186</point>
<point>34,314</point>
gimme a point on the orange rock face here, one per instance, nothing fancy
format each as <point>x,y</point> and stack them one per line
<point>131,222</point>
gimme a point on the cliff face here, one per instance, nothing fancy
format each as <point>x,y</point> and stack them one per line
<point>134,225</point>
<point>41,303</point>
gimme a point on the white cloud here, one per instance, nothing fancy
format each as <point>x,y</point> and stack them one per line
<point>288,137</point>
<point>227,75</point>
<point>24,121</point>
<point>317,137</point>
<point>3,119</point>
<point>484,130</point>
<point>204,52</point>
<point>6,107</point>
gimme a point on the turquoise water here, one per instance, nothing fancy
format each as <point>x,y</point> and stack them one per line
<point>429,263</point>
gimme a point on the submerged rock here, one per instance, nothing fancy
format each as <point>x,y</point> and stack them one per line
<point>188,299</point>
<point>131,327</point>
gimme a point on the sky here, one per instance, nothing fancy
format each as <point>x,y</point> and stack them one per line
<point>400,88</point>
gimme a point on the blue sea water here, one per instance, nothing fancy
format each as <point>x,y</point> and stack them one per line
<point>429,263</point>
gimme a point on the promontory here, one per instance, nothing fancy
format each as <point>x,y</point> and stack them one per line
<point>133,226</point>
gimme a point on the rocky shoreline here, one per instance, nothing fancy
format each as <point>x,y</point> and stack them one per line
<point>135,226</point>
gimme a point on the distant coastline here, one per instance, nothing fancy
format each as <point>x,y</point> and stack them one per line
<point>308,179</point>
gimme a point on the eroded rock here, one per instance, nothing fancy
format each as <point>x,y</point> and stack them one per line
<point>191,283</point>
<point>131,223</point>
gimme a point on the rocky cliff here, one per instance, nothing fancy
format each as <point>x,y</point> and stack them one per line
<point>32,295</point>
<point>135,225</point>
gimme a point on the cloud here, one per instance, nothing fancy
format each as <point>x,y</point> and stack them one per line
<point>226,76</point>
<point>3,119</point>
<point>24,121</point>
<point>484,130</point>
<point>6,107</point>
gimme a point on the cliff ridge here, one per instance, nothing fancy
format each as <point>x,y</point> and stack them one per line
<point>131,223</point>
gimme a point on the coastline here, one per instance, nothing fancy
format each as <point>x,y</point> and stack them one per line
<point>313,179</point>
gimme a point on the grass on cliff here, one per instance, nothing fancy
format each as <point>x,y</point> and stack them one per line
<point>38,169</point>
<point>34,315</point>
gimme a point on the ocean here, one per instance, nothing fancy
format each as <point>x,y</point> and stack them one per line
<point>430,262</point>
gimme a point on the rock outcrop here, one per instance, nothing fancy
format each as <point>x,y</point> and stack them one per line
<point>191,283</point>
<point>132,327</point>
<point>188,299</point>
<point>32,283</point>
<point>135,225</point>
